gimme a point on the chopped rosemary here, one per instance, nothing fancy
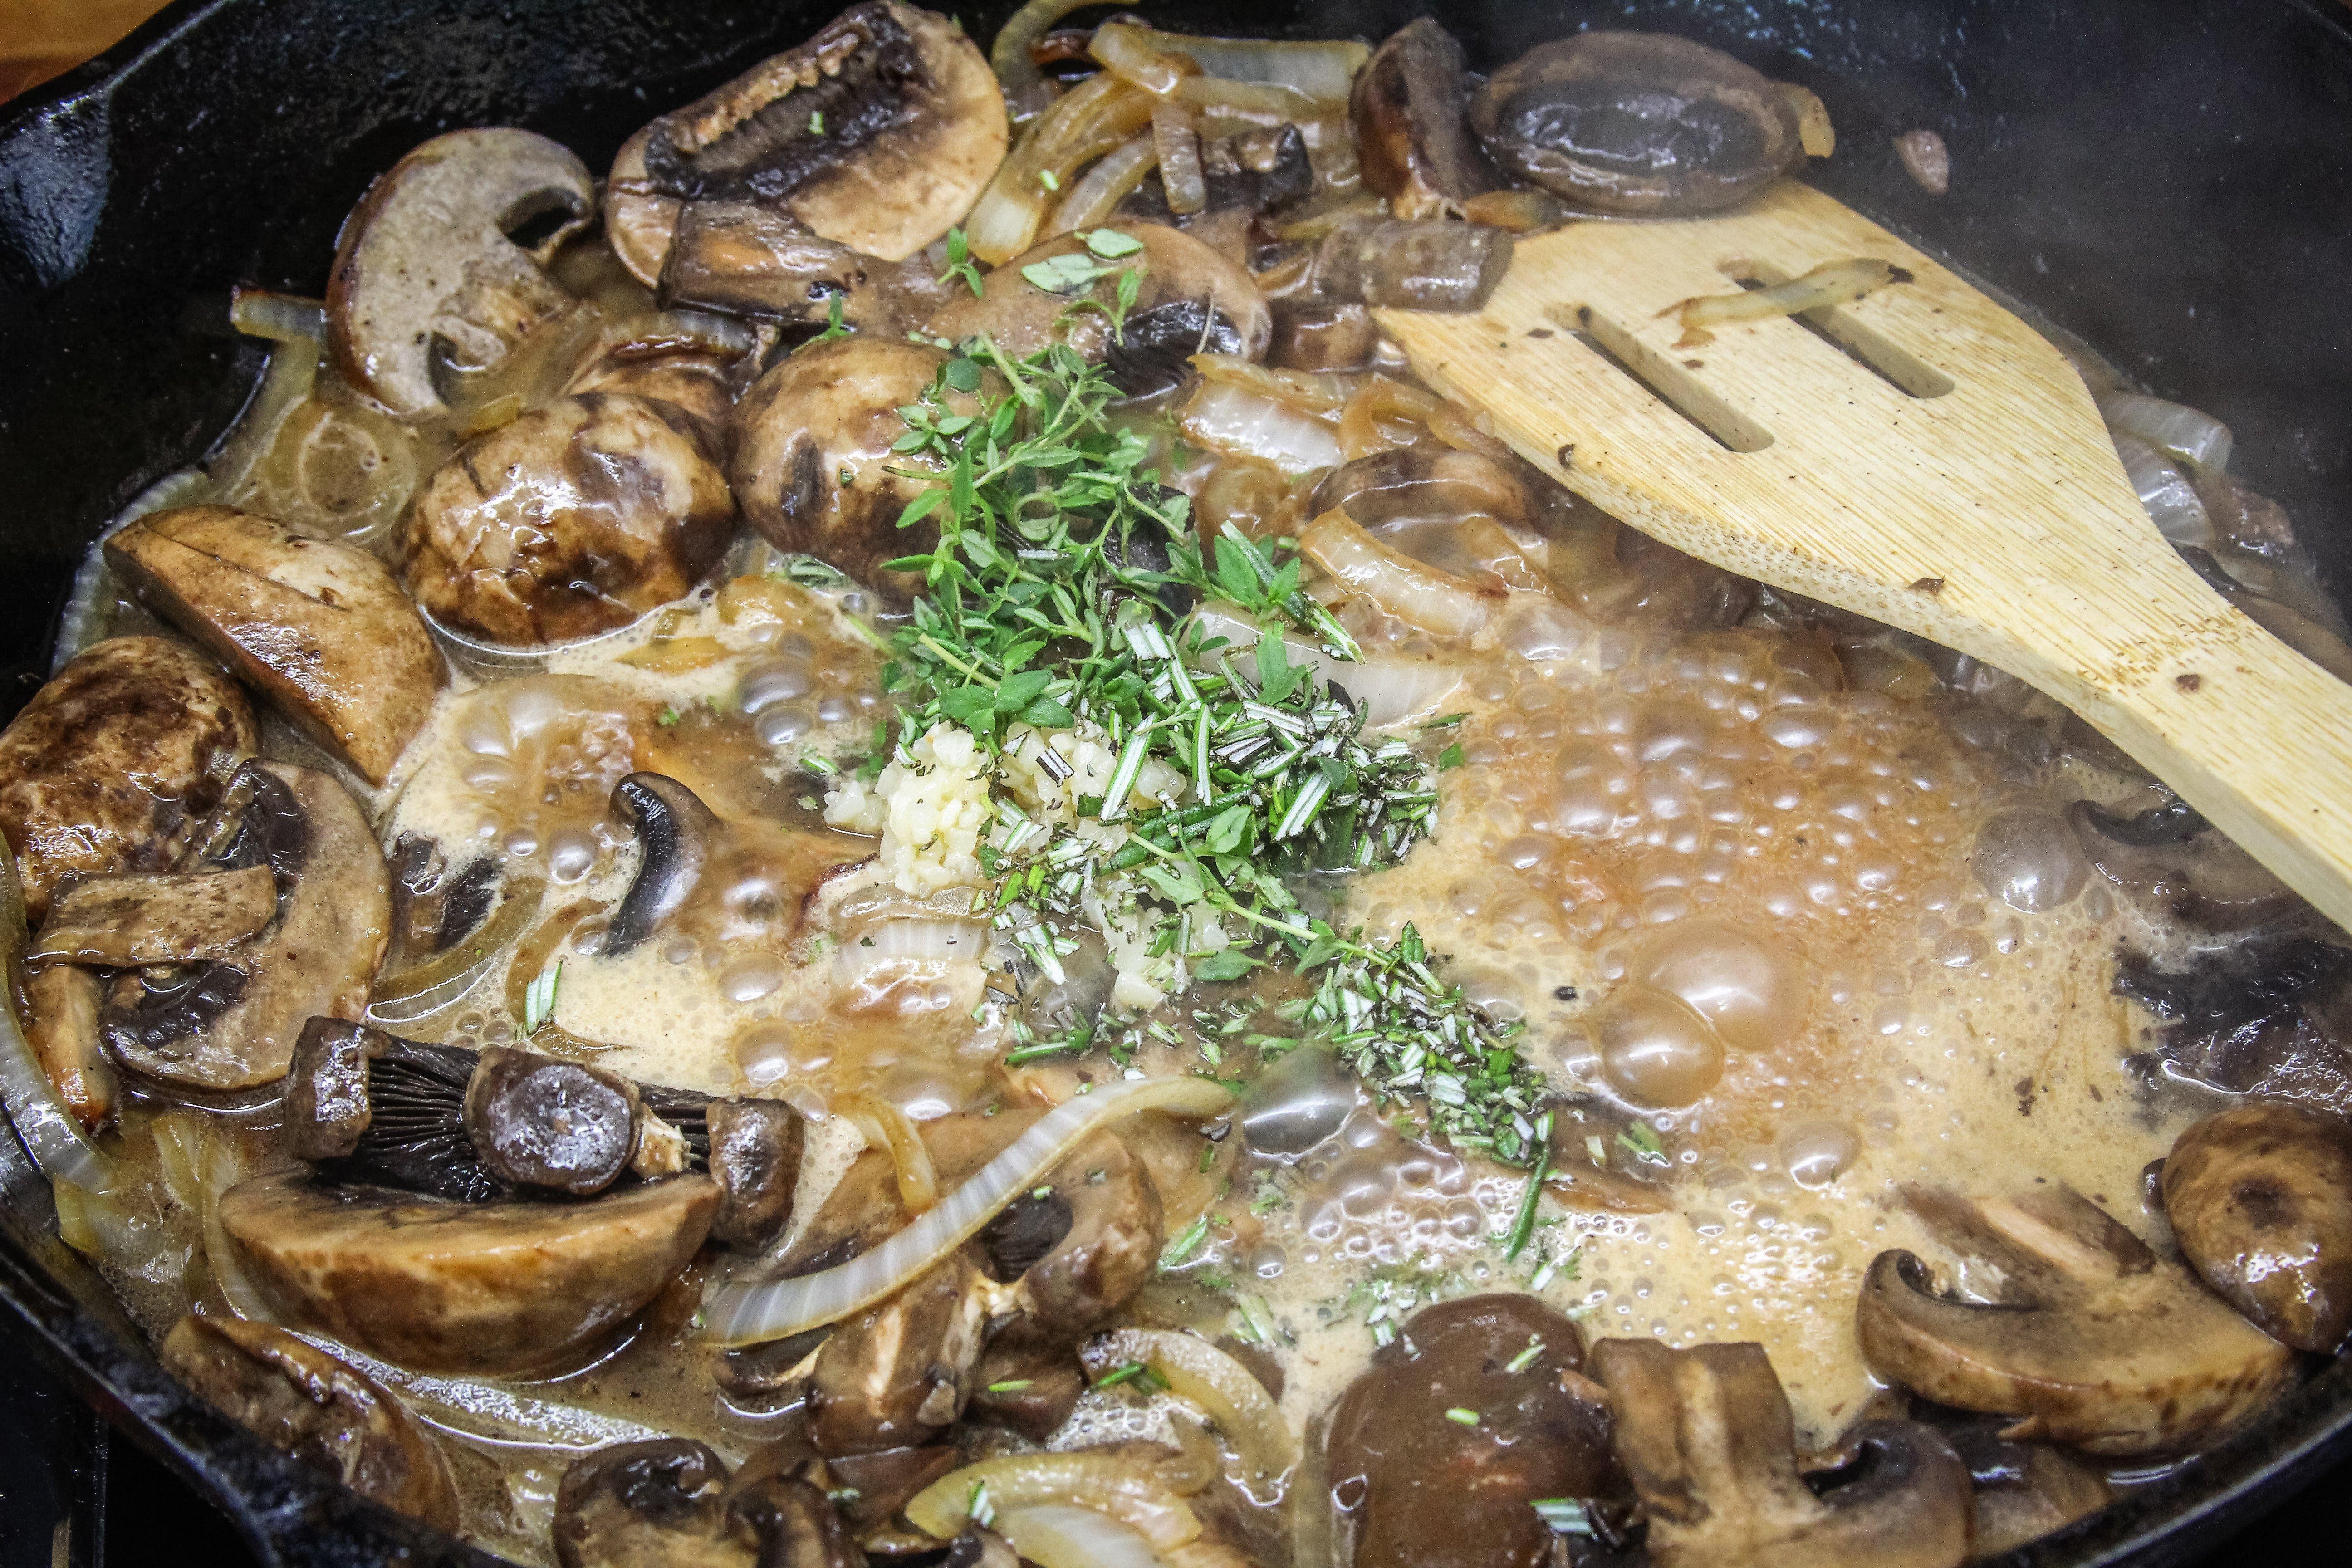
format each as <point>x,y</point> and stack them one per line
<point>1462,1416</point>
<point>538,998</point>
<point>1526,1358</point>
<point>1188,1241</point>
<point>1565,1515</point>
<point>1010,1386</point>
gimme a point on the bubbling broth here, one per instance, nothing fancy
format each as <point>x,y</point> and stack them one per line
<point>939,876</point>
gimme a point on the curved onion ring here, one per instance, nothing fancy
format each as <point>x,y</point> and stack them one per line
<point>1009,56</point>
<point>746,1314</point>
<point>1177,140</point>
<point>1064,1536</point>
<point>425,988</point>
<point>1094,198</point>
<point>1133,1495</point>
<point>1209,1380</point>
<point>1125,50</point>
<point>1413,592</point>
<point>197,1168</point>
<point>50,1134</point>
<point>2196,441</point>
<point>885,1126</point>
<point>1322,71</point>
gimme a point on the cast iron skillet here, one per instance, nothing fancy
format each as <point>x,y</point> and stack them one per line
<point>2167,178</point>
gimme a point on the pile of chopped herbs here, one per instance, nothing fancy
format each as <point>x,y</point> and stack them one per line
<point>1056,596</point>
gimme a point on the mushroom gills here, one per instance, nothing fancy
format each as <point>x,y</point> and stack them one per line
<point>2097,1342</point>
<point>122,923</point>
<point>299,1399</point>
<point>1706,1438</point>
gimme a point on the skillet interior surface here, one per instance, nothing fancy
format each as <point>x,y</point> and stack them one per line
<point>2165,178</point>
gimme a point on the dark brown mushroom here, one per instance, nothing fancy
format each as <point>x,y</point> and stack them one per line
<point>113,762</point>
<point>1425,1489</point>
<point>321,629</point>
<point>541,1121</point>
<point>1317,334</point>
<point>1637,122</point>
<point>231,1023</point>
<point>300,1400</point>
<point>796,1525</point>
<point>748,260</point>
<point>691,370</point>
<point>1707,1439</point>
<point>655,1504</point>
<point>1188,299</point>
<point>899,1373</point>
<point>370,1108</point>
<point>427,270</point>
<point>500,1289</point>
<point>720,882</point>
<point>2096,1342</point>
<point>117,922</point>
<point>1411,106</point>
<point>878,132</point>
<point>755,1158</point>
<point>2260,1197</point>
<point>1028,1385</point>
<point>813,467</point>
<point>575,519</point>
<point>2255,1016</point>
<point>2023,1490</point>
<point>2170,861</point>
<point>881,1484</point>
<point>1431,264</point>
<point>1103,1201</point>
<point>639,220</point>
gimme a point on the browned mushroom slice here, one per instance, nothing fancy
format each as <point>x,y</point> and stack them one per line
<point>1706,1436</point>
<point>749,261</point>
<point>1425,1491</point>
<point>1431,264</point>
<point>880,1485</point>
<point>638,219</point>
<point>2260,1197</point>
<point>2168,861</point>
<point>321,629</point>
<point>2023,1489</point>
<point>1031,1387</point>
<point>575,519</point>
<point>427,266</point>
<point>1316,334</point>
<point>1637,122</point>
<point>812,468</point>
<point>297,1398</point>
<point>61,1007</point>
<point>796,1525</point>
<point>897,1374</point>
<point>112,762</point>
<point>877,132</point>
<point>755,1158</point>
<point>116,922</point>
<point>2097,1341</point>
<point>1412,133</point>
<point>505,1289</point>
<point>1227,315</point>
<point>232,1024</point>
<point>657,1504</point>
<point>1082,1243</point>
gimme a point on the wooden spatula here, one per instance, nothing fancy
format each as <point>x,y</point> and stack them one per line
<point>1959,484</point>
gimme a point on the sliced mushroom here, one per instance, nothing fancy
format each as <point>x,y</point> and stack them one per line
<point>1102,1202</point>
<point>796,1525</point>
<point>639,221</point>
<point>1316,334</point>
<point>503,1288</point>
<point>1425,1489</point>
<point>694,370</point>
<point>320,628</point>
<point>755,1158</point>
<point>2170,861</point>
<point>1637,122</point>
<point>542,1122</point>
<point>2023,1490</point>
<point>1706,1436</point>
<point>1411,107</point>
<point>749,261</point>
<point>877,132</point>
<point>299,1399</point>
<point>232,1024</point>
<point>2260,1197</point>
<point>813,469</point>
<point>897,1374</point>
<point>656,1504</point>
<point>426,264</point>
<point>880,1485</point>
<point>1428,265</point>
<point>863,1208</point>
<point>62,1009</point>
<point>1029,1386</point>
<point>115,922</point>
<point>109,765</point>
<point>721,882</point>
<point>575,519</point>
<point>2097,1341</point>
<point>1190,300</point>
<point>2254,1016</point>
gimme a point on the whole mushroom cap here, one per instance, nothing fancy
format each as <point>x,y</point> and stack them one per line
<point>2260,1197</point>
<point>575,519</point>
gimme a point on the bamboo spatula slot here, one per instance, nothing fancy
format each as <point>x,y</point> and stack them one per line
<point>1957,483</point>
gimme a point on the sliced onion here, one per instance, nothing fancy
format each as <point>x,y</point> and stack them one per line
<point>1413,592</point>
<point>1126,51</point>
<point>1369,422</point>
<point>197,1167</point>
<point>1237,423</point>
<point>1213,1382</point>
<point>282,318</point>
<point>902,944</point>
<point>2172,503</point>
<point>1270,99</point>
<point>1064,1536</point>
<point>1831,283</point>
<point>1320,70</point>
<point>1176,137</point>
<point>293,370</point>
<point>424,989</point>
<point>1134,1495</point>
<point>1094,198</point>
<point>1320,393</point>
<point>2197,440</point>
<point>752,1314</point>
<point>1085,123</point>
<point>1016,71</point>
<point>1394,689</point>
<point>49,1133</point>
<point>885,1126</point>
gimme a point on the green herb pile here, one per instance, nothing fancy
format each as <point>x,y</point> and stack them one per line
<point>1047,602</point>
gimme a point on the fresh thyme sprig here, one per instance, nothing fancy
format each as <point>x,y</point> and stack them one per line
<point>1046,604</point>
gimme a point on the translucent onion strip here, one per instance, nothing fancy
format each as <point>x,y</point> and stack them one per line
<point>424,989</point>
<point>1090,202</point>
<point>2196,441</point>
<point>885,1126</point>
<point>1126,51</point>
<point>1213,1382</point>
<point>1176,135</point>
<point>49,1129</point>
<point>1009,56</point>
<point>1084,123</point>
<point>743,1313</point>
<point>197,1167</point>
<point>1062,1535</point>
<point>1412,591</point>
<point>1134,1495</point>
<point>1321,71</point>
<point>282,318</point>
